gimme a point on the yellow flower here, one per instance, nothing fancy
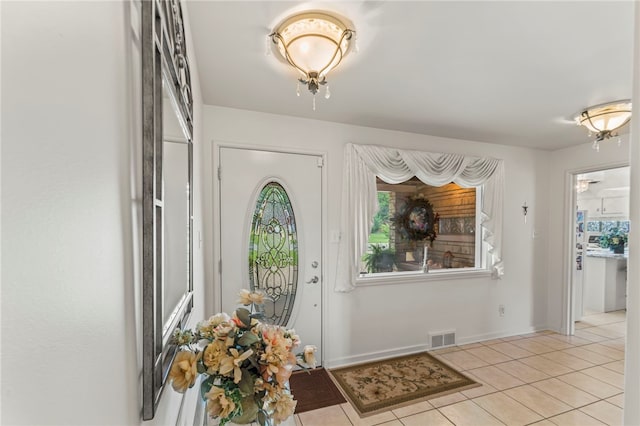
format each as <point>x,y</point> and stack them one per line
<point>257,297</point>
<point>272,359</point>
<point>273,336</point>
<point>283,408</point>
<point>213,355</point>
<point>271,392</point>
<point>225,332</point>
<point>248,297</point>
<point>232,364</point>
<point>218,405</point>
<point>184,371</point>
<point>310,355</point>
<point>295,339</point>
<point>244,297</point>
<point>207,328</point>
<point>283,374</point>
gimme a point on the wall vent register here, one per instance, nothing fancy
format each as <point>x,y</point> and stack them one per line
<point>443,339</point>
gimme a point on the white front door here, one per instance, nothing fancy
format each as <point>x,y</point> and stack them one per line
<point>283,192</point>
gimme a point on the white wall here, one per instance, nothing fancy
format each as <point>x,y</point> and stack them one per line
<point>578,159</point>
<point>564,163</point>
<point>632,363</point>
<point>381,320</point>
<point>70,242</point>
<point>71,181</point>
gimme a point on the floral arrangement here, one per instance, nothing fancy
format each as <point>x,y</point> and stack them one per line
<point>616,238</point>
<point>245,364</point>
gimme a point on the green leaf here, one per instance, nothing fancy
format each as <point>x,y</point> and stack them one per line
<point>206,387</point>
<point>244,316</point>
<point>259,316</point>
<point>249,411</point>
<point>248,339</point>
<point>246,382</point>
<point>200,366</point>
<point>253,361</point>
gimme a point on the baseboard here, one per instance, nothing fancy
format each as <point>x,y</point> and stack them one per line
<point>498,335</point>
<point>374,356</point>
<point>406,350</point>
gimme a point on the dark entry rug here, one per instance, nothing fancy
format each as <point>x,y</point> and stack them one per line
<point>384,385</point>
<point>314,389</point>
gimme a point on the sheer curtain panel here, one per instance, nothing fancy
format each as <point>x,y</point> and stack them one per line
<point>363,163</point>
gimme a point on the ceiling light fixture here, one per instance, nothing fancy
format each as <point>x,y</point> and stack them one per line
<point>605,119</point>
<point>313,43</point>
<point>582,185</point>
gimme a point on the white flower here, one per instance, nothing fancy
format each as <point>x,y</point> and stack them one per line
<point>310,355</point>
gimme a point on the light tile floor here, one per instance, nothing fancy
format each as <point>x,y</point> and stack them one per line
<point>543,379</point>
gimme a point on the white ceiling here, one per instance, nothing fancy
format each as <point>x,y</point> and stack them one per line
<point>506,72</point>
<point>609,182</point>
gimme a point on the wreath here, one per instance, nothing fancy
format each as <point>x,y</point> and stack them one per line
<point>416,220</point>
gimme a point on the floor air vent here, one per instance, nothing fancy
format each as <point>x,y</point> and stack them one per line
<point>440,340</point>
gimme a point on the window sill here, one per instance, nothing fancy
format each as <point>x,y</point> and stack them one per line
<point>393,278</point>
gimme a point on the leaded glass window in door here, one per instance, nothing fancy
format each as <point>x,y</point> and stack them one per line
<point>273,252</point>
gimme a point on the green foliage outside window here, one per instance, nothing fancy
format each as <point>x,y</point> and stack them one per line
<point>380,229</point>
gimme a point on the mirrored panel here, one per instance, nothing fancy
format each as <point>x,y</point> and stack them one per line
<point>167,207</point>
<point>176,215</point>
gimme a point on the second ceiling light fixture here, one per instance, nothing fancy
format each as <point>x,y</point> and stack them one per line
<point>604,120</point>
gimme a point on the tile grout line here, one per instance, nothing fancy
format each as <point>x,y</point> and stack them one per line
<point>549,334</point>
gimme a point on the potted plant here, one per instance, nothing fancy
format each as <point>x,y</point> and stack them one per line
<point>615,240</point>
<point>379,259</point>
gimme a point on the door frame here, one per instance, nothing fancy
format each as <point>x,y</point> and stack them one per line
<point>571,201</point>
<point>217,241</point>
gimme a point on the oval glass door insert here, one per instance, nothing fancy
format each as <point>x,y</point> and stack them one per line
<point>273,253</point>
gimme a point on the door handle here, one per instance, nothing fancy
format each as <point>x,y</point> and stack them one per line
<point>313,280</point>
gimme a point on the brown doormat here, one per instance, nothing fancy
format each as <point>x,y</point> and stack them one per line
<point>384,385</point>
<point>314,389</point>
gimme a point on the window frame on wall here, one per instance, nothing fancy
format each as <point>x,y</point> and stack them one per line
<point>480,268</point>
<point>364,164</point>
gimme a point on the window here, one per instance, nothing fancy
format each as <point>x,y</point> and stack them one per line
<point>273,252</point>
<point>400,236</point>
<point>365,164</point>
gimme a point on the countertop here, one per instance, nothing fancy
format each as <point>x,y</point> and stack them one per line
<point>606,254</point>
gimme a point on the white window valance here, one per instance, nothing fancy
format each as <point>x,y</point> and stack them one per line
<point>362,163</point>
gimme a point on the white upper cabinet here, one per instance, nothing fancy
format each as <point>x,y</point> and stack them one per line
<point>615,206</point>
<point>593,206</point>
<point>606,194</point>
<point>605,207</point>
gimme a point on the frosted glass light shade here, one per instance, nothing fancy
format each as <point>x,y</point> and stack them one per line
<point>313,43</point>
